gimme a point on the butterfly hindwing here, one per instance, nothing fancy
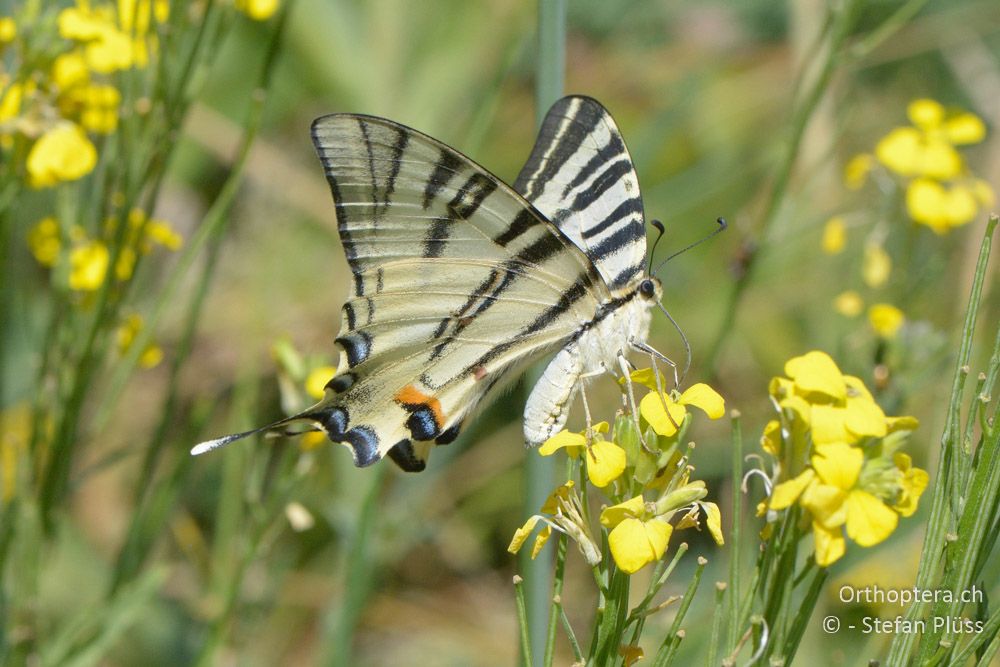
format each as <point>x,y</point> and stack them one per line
<point>580,175</point>
<point>458,283</point>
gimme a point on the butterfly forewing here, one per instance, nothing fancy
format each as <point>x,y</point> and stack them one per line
<point>458,282</point>
<point>580,175</point>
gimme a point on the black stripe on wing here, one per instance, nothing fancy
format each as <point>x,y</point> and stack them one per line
<point>580,175</point>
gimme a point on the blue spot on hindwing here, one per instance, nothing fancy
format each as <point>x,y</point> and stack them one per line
<point>364,442</point>
<point>335,423</point>
<point>422,424</point>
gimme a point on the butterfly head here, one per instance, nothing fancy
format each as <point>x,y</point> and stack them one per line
<point>650,289</point>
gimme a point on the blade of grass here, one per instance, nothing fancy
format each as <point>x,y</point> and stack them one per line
<point>539,472</point>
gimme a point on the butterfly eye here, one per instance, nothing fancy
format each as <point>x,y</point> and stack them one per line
<point>646,288</point>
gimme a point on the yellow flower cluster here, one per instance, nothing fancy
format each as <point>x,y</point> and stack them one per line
<point>56,97</point>
<point>258,10</point>
<point>941,192</point>
<point>627,467</point>
<point>152,354</point>
<point>837,457</point>
<point>89,258</point>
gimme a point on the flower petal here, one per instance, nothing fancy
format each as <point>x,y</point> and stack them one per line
<point>876,265</point>
<point>559,495</point>
<point>848,303</point>
<point>816,372</point>
<point>605,463</point>
<point>645,377</point>
<point>834,235</point>
<point>965,128</point>
<point>828,424</point>
<point>864,418</point>
<point>612,516</point>
<point>826,504</point>
<point>770,441</point>
<point>651,408</point>
<point>522,533</point>
<point>838,464</point>
<point>634,543</point>
<point>704,397</point>
<point>925,113</point>
<point>713,520</point>
<point>786,493</point>
<point>829,545</point>
<point>563,439</point>
<point>543,537</point>
<point>869,520</point>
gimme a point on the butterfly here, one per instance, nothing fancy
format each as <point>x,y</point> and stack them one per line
<point>461,281</point>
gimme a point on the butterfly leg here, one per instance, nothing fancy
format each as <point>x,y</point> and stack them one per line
<point>653,356</point>
<point>623,364</point>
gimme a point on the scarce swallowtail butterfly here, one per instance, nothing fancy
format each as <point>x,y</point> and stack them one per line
<point>461,281</point>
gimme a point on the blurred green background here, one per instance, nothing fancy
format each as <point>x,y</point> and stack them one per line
<point>702,92</point>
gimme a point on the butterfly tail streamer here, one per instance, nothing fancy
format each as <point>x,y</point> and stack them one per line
<point>315,414</point>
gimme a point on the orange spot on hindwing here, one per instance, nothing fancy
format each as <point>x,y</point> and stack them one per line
<point>426,417</point>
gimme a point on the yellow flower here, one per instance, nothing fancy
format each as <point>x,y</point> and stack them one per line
<point>100,108</point>
<point>823,415</point>
<point>11,96</point>
<point>666,421</point>
<point>770,441</point>
<point>849,303</point>
<point>942,207</point>
<point>816,373</point>
<point>125,264</point>
<point>88,265</point>
<point>8,30</point>
<point>317,379</point>
<point>833,407</point>
<point>876,265</point>
<point>158,231</point>
<point>912,483</point>
<point>105,47</point>
<point>834,235</point>
<point>605,459</point>
<point>885,319</point>
<point>928,149</point>
<point>562,511</point>
<point>830,494</point>
<point>43,239</point>
<point>151,356</point>
<point>70,70</point>
<point>127,331</point>
<point>63,153</point>
<point>637,537</point>
<point>857,169</point>
<point>605,463</point>
<point>258,10</point>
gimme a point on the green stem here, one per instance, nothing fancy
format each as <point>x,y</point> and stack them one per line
<point>522,620</point>
<point>556,602</point>
<point>539,472</point>
<point>736,542</point>
<point>940,523</point>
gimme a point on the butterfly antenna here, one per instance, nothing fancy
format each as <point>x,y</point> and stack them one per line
<point>652,253</point>
<point>721,228</point>
<point>687,345</point>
